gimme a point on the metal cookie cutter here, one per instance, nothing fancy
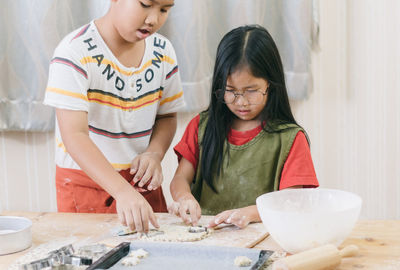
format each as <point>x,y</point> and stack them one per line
<point>197,229</point>
<point>38,265</point>
<point>67,250</point>
<point>58,258</point>
<point>75,260</point>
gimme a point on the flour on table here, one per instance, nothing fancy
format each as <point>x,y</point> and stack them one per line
<point>133,257</point>
<point>242,261</point>
<point>138,253</point>
<point>130,261</point>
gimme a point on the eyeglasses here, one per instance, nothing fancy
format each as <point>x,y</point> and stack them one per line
<point>253,97</point>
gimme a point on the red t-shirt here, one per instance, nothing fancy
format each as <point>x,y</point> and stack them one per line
<point>297,170</point>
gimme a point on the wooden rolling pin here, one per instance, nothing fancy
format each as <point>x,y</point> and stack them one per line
<point>321,258</point>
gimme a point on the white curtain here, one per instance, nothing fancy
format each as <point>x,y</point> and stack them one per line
<point>31,29</point>
<point>196,27</point>
<point>29,32</point>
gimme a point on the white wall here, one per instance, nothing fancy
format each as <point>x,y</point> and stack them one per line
<point>352,117</point>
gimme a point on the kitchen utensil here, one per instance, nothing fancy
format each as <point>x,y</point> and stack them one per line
<point>75,260</point>
<point>321,258</point>
<point>197,229</point>
<point>301,219</point>
<point>58,258</point>
<point>262,258</point>
<point>56,261</point>
<point>67,250</point>
<point>38,264</point>
<point>111,257</point>
<point>15,234</point>
<point>257,240</point>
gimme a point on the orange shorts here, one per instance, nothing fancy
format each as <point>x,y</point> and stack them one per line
<point>77,193</point>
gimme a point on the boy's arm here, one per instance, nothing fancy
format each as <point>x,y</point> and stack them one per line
<point>132,208</point>
<point>147,165</point>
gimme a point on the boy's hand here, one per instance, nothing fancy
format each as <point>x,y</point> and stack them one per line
<point>187,208</point>
<point>240,217</point>
<point>146,167</point>
<point>134,211</point>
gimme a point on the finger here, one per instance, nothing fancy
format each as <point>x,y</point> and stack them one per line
<point>156,180</point>
<point>121,217</point>
<point>146,177</point>
<point>238,221</point>
<point>173,208</point>
<point>153,219</point>
<point>233,217</point>
<point>140,171</point>
<point>193,213</point>
<point>183,213</point>
<point>129,220</point>
<point>134,165</point>
<point>145,219</point>
<point>198,211</point>
<point>138,219</point>
<point>220,218</point>
<point>170,209</point>
<point>139,189</point>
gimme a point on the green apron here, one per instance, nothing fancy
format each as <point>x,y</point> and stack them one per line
<point>253,169</point>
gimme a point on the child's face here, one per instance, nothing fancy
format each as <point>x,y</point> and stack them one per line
<point>137,19</point>
<point>246,108</point>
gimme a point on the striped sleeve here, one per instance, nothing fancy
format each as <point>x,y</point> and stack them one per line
<point>68,80</point>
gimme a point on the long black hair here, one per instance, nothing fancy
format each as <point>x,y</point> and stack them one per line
<point>248,46</point>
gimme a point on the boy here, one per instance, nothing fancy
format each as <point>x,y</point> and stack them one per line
<point>116,88</point>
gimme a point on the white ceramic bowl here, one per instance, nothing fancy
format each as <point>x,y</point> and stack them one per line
<point>300,219</point>
<point>15,234</point>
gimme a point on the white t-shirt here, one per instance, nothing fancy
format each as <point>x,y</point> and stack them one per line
<point>122,102</point>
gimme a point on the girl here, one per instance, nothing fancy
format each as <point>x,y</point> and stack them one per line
<point>247,143</point>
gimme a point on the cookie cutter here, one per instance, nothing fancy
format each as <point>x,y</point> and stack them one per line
<point>58,258</point>
<point>197,229</point>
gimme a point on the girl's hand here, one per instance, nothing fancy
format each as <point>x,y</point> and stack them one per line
<point>240,217</point>
<point>134,211</point>
<point>187,208</point>
<point>146,167</point>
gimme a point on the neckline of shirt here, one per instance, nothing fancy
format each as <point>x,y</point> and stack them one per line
<point>245,133</point>
<point>114,58</point>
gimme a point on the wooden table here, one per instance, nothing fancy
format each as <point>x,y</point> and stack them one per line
<point>379,241</point>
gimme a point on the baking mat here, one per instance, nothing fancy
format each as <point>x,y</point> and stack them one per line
<point>183,256</point>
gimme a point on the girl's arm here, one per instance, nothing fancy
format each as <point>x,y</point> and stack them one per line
<point>240,217</point>
<point>186,205</point>
<point>133,210</point>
